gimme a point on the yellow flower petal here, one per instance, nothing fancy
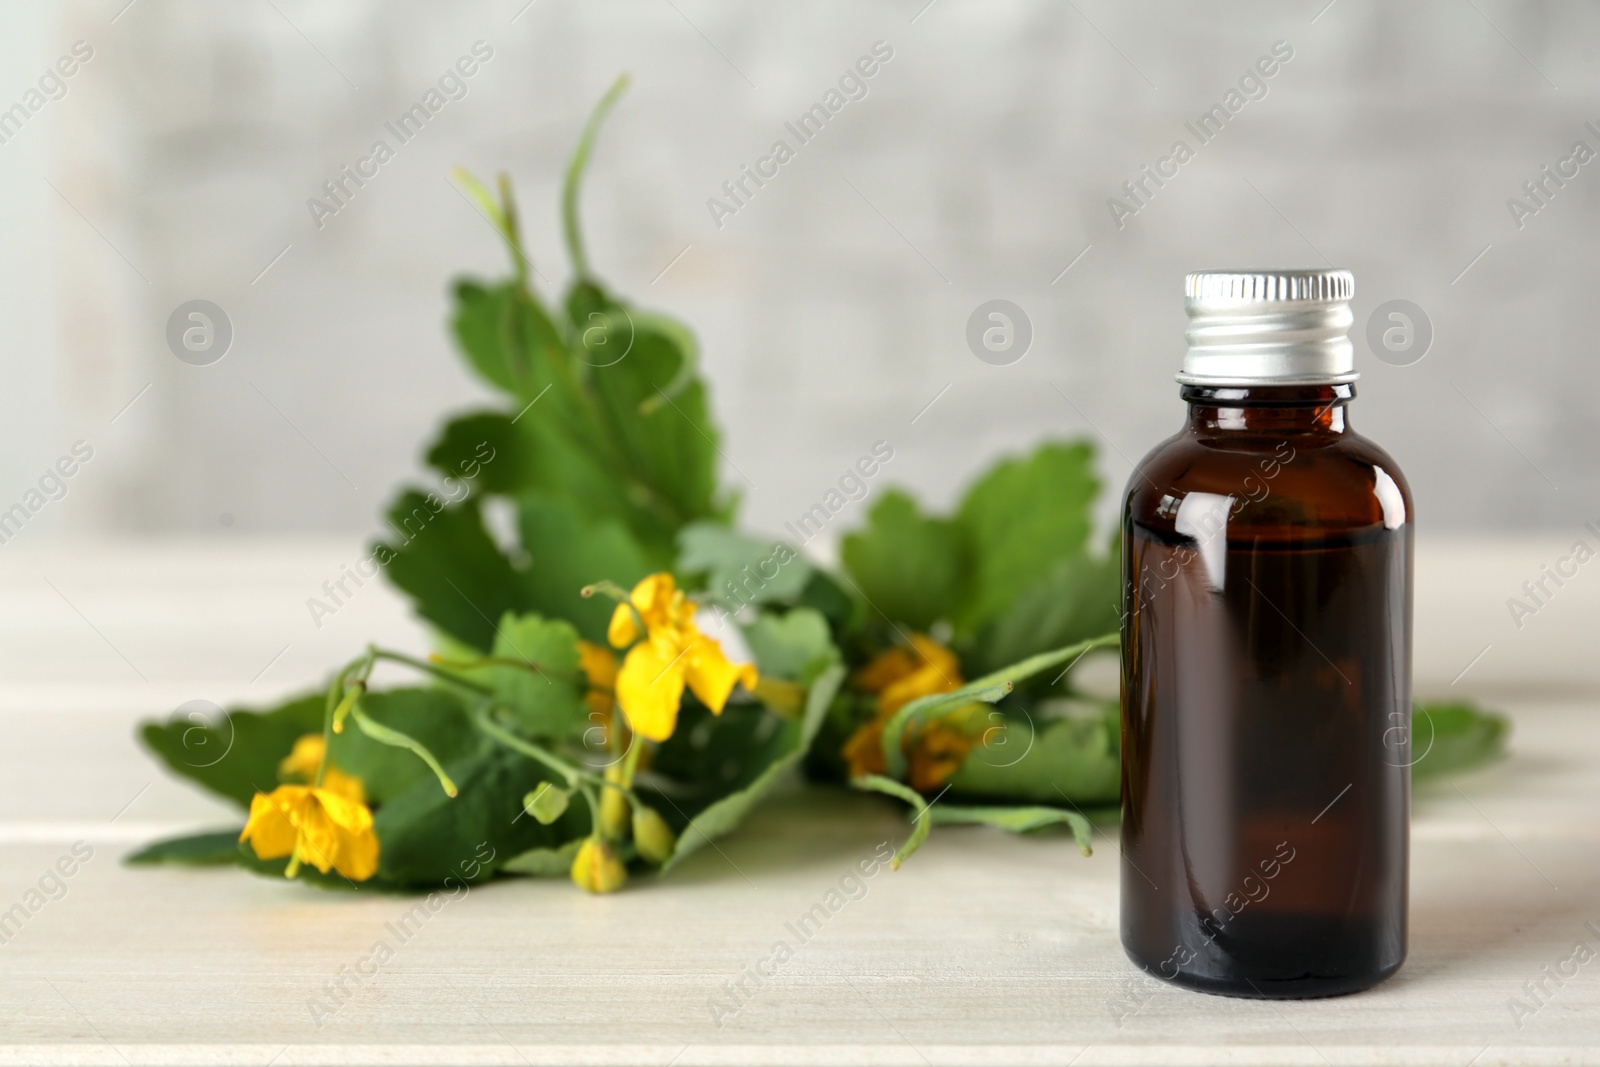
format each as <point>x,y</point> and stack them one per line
<point>623,630</point>
<point>655,597</point>
<point>924,681</point>
<point>938,753</point>
<point>358,857</point>
<point>901,674</point>
<point>304,759</point>
<point>936,655</point>
<point>864,750</point>
<point>712,676</point>
<point>318,843</point>
<point>599,663</point>
<point>650,689</point>
<point>270,830</point>
<point>884,669</point>
<point>345,785</point>
<point>356,854</point>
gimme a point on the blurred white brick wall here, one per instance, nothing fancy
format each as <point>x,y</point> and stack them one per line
<point>184,154</point>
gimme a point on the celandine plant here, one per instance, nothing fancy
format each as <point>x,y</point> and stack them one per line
<point>577,718</point>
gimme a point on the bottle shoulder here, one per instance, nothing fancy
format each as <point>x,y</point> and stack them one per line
<point>1269,485</point>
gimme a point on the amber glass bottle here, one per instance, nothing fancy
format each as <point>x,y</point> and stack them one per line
<point>1266,644</point>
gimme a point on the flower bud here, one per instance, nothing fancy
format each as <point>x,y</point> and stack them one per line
<point>597,868</point>
<point>613,808</point>
<point>652,835</point>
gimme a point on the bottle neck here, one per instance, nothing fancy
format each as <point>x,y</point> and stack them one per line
<point>1275,410</point>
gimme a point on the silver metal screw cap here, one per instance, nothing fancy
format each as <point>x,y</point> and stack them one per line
<point>1269,327</point>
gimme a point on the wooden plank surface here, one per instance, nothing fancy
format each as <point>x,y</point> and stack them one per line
<point>984,949</point>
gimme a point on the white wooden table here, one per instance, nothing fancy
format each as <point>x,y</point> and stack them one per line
<point>984,949</point>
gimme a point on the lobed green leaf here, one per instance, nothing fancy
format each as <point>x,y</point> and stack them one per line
<point>911,568</point>
<point>761,762</point>
<point>236,757</point>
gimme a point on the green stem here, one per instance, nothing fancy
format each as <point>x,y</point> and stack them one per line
<point>503,219</point>
<point>630,759</point>
<point>331,704</point>
<point>594,807</point>
<point>621,596</point>
<point>429,668</point>
<point>575,778</point>
<point>569,187</point>
<point>386,735</point>
<point>513,231</point>
<point>608,588</point>
<point>533,666</point>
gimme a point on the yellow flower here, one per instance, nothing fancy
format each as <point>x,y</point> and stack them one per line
<point>899,676</point>
<point>599,665</point>
<point>670,653</point>
<point>937,754</point>
<point>302,763</point>
<point>864,750</point>
<point>902,675</point>
<point>315,826</point>
<point>597,868</point>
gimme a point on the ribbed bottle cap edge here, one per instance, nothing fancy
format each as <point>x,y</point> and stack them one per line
<point>1269,286</point>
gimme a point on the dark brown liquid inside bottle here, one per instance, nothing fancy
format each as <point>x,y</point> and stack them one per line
<point>1266,699</point>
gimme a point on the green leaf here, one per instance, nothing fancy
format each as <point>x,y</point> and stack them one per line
<point>740,569</point>
<point>1020,519</point>
<point>237,757</point>
<point>547,702</point>
<point>456,575</point>
<point>1017,820</point>
<point>480,325</point>
<point>668,441</point>
<point>545,862</point>
<point>795,646</point>
<point>1076,759</point>
<point>567,552</point>
<point>1454,736</point>
<point>485,451</point>
<point>824,594</point>
<point>547,802</point>
<point>764,747</point>
<point>425,837</point>
<point>987,689</point>
<point>925,815</point>
<point>434,717</point>
<point>549,446</point>
<point>920,823</point>
<point>508,334</point>
<point>219,848</point>
<point>1075,600</point>
<point>510,339</point>
<point>910,567</point>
